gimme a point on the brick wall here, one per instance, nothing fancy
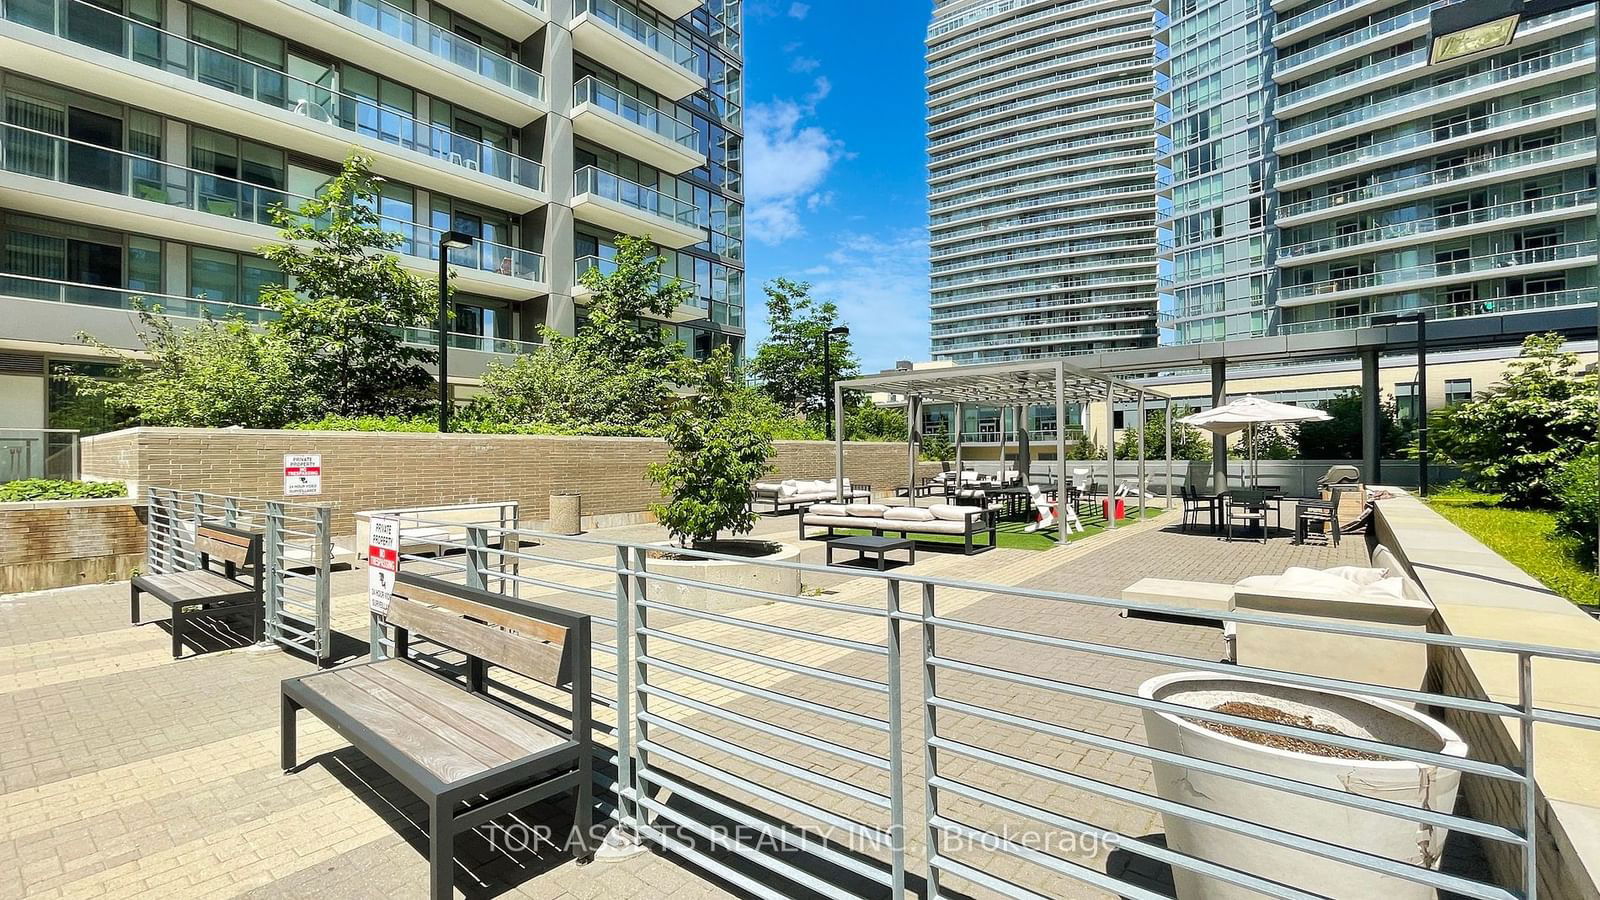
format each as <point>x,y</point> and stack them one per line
<point>64,542</point>
<point>363,470</point>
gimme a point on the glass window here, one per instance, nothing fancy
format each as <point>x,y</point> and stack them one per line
<point>1405,395</point>
<point>1457,390</point>
<point>214,274</point>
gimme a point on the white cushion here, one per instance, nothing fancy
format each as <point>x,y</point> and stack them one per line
<point>773,486</point>
<point>839,521</point>
<point>867,510</point>
<point>969,477</point>
<point>909,514</point>
<point>788,487</point>
<point>937,526</point>
<point>828,509</point>
<point>950,513</point>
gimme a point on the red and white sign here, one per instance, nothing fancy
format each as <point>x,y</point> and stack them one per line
<point>302,474</point>
<point>383,563</point>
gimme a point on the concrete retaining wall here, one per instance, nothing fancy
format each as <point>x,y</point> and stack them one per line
<point>1478,594</point>
<point>368,470</point>
<point>57,543</point>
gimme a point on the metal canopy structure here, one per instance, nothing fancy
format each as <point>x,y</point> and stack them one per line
<point>1018,385</point>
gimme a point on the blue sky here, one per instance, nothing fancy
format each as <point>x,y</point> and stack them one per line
<point>835,165</point>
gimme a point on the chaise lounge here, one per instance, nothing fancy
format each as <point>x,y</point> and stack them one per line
<point>965,522</point>
<point>795,493</point>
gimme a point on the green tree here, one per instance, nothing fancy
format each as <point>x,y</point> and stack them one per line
<point>1085,449</point>
<point>716,450</point>
<point>936,447</point>
<point>219,373</point>
<point>1269,441</point>
<point>349,299</point>
<point>788,364</point>
<point>1340,436</point>
<point>1188,442</point>
<point>871,422</point>
<point>1515,436</point>
<point>618,369</point>
<point>1577,490</point>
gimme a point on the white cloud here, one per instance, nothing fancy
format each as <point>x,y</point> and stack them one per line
<point>799,10</point>
<point>804,65</point>
<point>788,160</point>
<point>880,282</point>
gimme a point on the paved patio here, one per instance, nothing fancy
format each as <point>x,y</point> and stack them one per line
<point>123,772</point>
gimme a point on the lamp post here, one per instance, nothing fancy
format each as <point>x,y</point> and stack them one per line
<point>827,371</point>
<point>1421,321</point>
<point>450,240</point>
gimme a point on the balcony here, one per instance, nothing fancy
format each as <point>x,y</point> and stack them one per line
<point>409,49</point>
<point>692,311</point>
<point>71,180</point>
<point>1325,17</point>
<point>1035,305</point>
<point>1505,79</point>
<point>1493,265</point>
<point>675,9</point>
<point>1490,218</point>
<point>177,306</point>
<point>1529,117</point>
<point>516,19</point>
<point>628,44</point>
<point>627,208</point>
<point>629,125</point>
<point>1490,306</point>
<point>1393,30</point>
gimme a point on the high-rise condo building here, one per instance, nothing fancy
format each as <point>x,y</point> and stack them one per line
<point>145,140</point>
<point>1041,177</point>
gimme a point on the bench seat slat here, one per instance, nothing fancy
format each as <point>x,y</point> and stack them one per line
<point>192,586</point>
<point>509,737</point>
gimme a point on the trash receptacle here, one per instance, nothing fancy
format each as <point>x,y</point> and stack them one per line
<point>566,513</point>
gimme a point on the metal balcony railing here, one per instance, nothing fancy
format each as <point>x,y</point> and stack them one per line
<point>641,32</point>
<point>1466,309</point>
<point>1487,264</point>
<point>84,23</point>
<point>37,154</point>
<point>635,111</point>
<point>599,182</point>
<point>439,43</point>
<point>1419,227</point>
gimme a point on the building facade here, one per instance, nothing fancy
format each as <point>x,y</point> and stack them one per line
<point>1317,169</point>
<point>145,141</point>
<point>1041,177</point>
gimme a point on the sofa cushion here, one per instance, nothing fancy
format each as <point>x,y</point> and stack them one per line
<point>827,509</point>
<point>909,514</point>
<point>770,487</point>
<point>948,513</point>
<point>937,526</point>
<point>840,521</point>
<point>788,487</point>
<point>867,510</point>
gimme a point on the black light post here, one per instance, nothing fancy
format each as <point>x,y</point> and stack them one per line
<point>1421,321</point>
<point>827,371</point>
<point>450,240</point>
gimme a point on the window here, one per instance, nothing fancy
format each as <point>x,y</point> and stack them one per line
<point>1457,390</point>
<point>229,277</point>
<point>1405,396</point>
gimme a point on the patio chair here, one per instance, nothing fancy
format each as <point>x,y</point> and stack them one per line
<point>1249,508</point>
<point>1047,513</point>
<point>1194,506</point>
<point>1324,513</point>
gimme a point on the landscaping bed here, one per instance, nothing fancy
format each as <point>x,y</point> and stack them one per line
<point>1527,538</point>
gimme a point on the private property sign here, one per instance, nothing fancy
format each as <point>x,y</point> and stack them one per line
<point>383,563</point>
<point>302,474</point>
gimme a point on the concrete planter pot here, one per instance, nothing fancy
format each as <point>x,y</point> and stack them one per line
<point>1399,781</point>
<point>710,573</point>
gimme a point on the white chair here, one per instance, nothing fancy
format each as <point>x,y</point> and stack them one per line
<point>1047,516</point>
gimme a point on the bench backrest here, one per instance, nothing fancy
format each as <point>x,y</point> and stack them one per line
<point>538,641</point>
<point>235,548</point>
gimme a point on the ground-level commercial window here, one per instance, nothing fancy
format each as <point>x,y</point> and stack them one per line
<point>1457,390</point>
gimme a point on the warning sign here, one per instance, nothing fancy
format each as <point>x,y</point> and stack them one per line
<point>302,474</point>
<point>383,563</point>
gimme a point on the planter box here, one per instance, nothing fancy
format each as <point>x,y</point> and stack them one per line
<point>59,543</point>
<point>713,572</point>
<point>1399,781</point>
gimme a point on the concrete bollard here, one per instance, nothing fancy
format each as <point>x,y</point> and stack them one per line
<point>566,513</point>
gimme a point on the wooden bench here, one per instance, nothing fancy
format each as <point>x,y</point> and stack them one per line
<point>204,593</point>
<point>471,756</point>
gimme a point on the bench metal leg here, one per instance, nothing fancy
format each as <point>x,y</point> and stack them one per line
<point>286,757</point>
<point>133,605</point>
<point>177,631</point>
<point>441,851</point>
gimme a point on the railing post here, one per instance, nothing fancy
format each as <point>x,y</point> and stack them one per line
<point>477,557</point>
<point>197,505</point>
<point>150,533</point>
<point>641,675</point>
<point>930,730</point>
<point>627,805</point>
<point>272,549</point>
<point>1530,786</point>
<point>324,564</point>
<point>897,735</point>
<point>230,511</point>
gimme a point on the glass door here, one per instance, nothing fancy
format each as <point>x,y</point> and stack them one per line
<point>86,164</point>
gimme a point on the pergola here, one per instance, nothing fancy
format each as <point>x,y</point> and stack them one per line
<point>1007,385</point>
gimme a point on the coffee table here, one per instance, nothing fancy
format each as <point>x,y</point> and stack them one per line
<point>878,545</point>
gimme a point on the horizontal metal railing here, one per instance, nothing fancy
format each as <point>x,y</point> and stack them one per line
<point>697,720</point>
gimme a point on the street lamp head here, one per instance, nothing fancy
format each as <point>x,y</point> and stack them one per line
<point>839,331</point>
<point>1470,28</point>
<point>456,240</point>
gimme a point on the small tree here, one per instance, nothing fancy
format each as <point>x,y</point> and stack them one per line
<point>716,451</point>
<point>350,298</point>
<point>1577,490</point>
<point>1340,436</point>
<point>936,447</point>
<point>1188,443</point>
<point>870,422</point>
<point>788,364</point>
<point>216,374</point>
<point>1515,436</point>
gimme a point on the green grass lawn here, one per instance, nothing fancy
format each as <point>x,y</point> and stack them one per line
<point>1013,537</point>
<point>1525,537</point>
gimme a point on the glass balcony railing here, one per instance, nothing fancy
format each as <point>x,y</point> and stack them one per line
<point>1077,283</point>
<point>1360,36</point>
<point>50,290</point>
<point>1090,177</point>
<point>676,131</point>
<point>947,282</point>
<point>1440,94</point>
<point>1014,123</point>
<point>24,151</point>
<point>1046,322</point>
<point>590,180</point>
<point>1047,252</point>
<point>1485,307</point>
<point>609,267</point>
<point>989,309</point>
<point>1024,340</point>
<point>1314,14</point>
<point>1051,217</point>
<point>1434,135</point>
<point>87,24</point>
<point>1059,198</point>
<point>949,82</point>
<point>1361,76</point>
<point>1011,240</point>
<point>439,43</point>
<point>640,31</point>
<point>988,98</point>
<point>995,162</point>
<point>1487,264</point>
<point>1543,205</point>
<point>1011,107</point>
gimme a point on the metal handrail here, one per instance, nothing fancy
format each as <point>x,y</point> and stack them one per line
<point>631,109</point>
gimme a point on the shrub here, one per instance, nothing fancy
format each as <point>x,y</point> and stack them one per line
<point>30,489</point>
<point>1577,491</point>
<point>429,425</point>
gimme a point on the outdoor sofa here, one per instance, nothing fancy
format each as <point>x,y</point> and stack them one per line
<point>965,522</point>
<point>794,493</point>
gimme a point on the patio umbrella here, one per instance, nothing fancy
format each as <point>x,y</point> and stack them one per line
<point>1248,412</point>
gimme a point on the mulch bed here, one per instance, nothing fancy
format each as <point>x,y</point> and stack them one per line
<point>1279,741</point>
